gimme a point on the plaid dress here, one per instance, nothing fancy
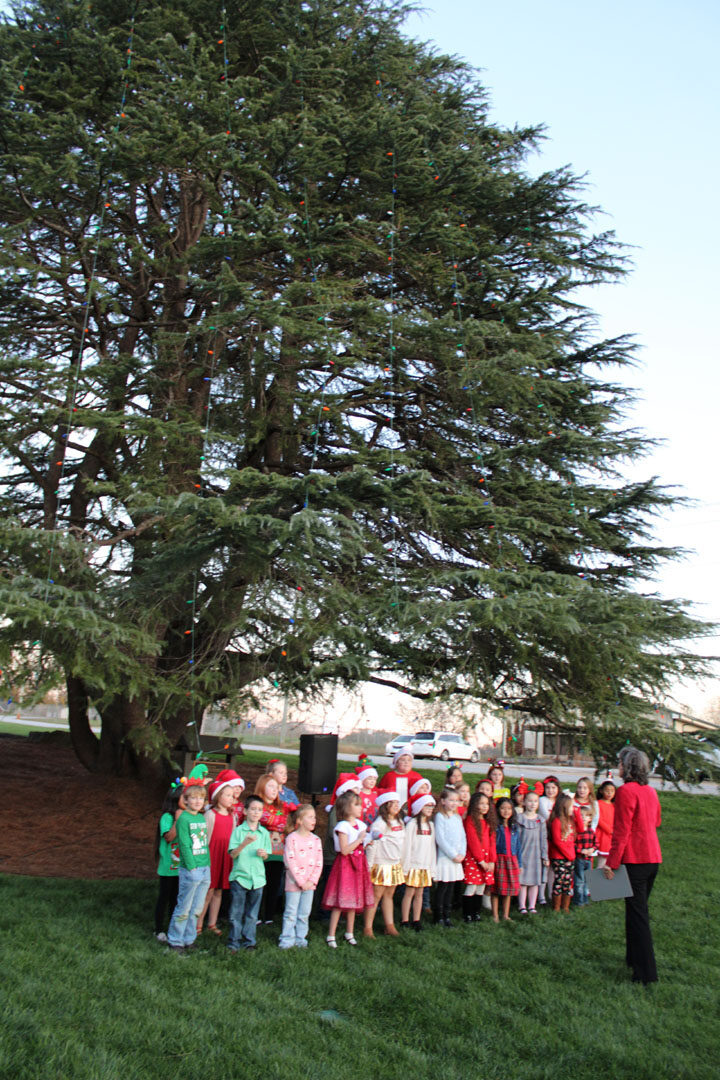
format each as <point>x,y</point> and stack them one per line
<point>507,866</point>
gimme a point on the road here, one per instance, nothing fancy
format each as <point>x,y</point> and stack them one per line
<point>568,774</point>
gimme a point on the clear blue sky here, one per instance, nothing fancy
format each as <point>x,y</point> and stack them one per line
<point>629,92</point>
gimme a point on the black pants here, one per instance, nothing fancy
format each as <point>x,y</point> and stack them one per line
<point>443,899</point>
<point>271,895</point>
<point>639,953</point>
<point>166,901</point>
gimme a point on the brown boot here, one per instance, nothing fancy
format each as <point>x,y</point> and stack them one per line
<point>391,931</point>
<point>556,902</point>
<point>566,903</point>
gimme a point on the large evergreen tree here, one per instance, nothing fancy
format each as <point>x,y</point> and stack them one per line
<point>296,384</point>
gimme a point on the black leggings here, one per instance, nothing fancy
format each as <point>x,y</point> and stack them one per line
<point>166,901</point>
<point>443,899</point>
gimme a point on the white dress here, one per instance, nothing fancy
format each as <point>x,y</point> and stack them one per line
<point>451,841</point>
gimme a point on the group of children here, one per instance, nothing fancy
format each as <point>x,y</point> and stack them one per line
<point>481,849</point>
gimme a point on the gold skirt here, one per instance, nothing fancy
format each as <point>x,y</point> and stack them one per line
<point>384,874</point>
<point>418,879</point>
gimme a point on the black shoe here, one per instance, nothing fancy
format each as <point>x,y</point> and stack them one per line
<point>447,922</point>
<point>405,924</point>
<point>417,926</point>
<point>468,919</point>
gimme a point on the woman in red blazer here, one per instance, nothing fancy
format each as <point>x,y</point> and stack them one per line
<point>635,845</point>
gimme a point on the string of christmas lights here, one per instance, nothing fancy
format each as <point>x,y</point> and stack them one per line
<point>211,361</point>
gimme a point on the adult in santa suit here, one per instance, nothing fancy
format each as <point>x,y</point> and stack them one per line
<point>401,777</point>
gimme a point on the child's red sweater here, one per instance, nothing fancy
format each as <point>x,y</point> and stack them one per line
<point>559,847</point>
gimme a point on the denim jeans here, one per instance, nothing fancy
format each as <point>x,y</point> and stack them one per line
<point>295,919</point>
<point>244,907</point>
<point>192,890</point>
<point>580,882</point>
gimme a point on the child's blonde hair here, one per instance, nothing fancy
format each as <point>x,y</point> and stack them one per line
<point>591,791</point>
<point>298,814</point>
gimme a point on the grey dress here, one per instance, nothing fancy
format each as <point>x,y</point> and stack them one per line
<point>533,849</point>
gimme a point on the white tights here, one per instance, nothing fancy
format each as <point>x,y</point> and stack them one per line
<point>527,897</point>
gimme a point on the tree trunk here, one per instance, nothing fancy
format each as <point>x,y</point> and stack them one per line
<point>112,753</point>
<point>85,743</point>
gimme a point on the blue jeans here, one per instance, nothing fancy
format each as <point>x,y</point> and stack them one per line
<point>244,907</point>
<point>581,895</point>
<point>295,919</point>
<point>192,890</point>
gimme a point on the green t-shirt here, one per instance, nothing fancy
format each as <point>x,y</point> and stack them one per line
<point>192,839</point>
<point>248,868</point>
<point>169,852</point>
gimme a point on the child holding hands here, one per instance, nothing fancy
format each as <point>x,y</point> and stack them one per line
<point>303,858</point>
<point>451,849</point>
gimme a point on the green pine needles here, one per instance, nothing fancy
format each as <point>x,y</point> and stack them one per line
<point>296,383</point>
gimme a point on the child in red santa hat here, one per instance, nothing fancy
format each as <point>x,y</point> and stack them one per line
<point>348,888</point>
<point>367,774</point>
<point>401,777</point>
<point>220,821</point>
<point>384,856</point>
<point>419,859</point>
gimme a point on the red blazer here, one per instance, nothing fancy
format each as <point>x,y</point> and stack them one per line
<point>560,847</point>
<point>637,816</point>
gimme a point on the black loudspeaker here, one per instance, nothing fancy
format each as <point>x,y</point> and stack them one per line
<point>318,763</point>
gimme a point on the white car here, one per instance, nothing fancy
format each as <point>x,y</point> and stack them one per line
<point>443,745</point>
<point>397,743</point>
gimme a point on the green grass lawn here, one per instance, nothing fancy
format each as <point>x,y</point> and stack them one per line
<point>87,992</point>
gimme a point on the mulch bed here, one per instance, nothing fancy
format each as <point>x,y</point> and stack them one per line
<point>59,820</point>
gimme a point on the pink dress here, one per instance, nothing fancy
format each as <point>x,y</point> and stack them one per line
<point>348,886</point>
<point>220,861</point>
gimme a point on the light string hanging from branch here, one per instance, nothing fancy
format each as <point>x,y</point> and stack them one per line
<point>392,365</point>
<point>211,364</point>
<point>312,264</point>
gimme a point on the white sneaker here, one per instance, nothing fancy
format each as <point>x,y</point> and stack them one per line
<point>161,937</point>
<point>331,942</point>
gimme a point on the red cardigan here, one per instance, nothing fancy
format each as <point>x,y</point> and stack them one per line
<point>560,847</point>
<point>637,816</point>
<point>481,850</point>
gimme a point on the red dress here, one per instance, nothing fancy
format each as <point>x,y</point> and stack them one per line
<point>479,849</point>
<point>349,887</point>
<point>220,861</point>
<point>604,831</point>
